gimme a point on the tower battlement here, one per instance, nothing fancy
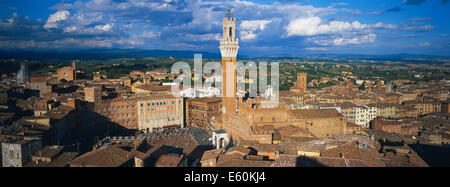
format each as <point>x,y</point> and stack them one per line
<point>229,44</point>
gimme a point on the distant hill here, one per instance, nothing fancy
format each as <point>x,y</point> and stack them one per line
<point>378,57</point>
<point>98,54</point>
<point>107,54</point>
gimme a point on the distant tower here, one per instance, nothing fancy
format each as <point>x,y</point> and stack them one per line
<point>388,88</point>
<point>302,81</point>
<point>92,94</point>
<point>379,86</point>
<point>23,76</point>
<point>300,86</point>
<point>74,68</point>
<point>229,46</point>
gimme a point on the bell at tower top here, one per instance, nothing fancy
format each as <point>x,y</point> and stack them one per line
<point>228,13</point>
<point>229,16</point>
<point>229,44</point>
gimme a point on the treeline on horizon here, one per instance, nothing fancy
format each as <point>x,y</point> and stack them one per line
<point>110,54</point>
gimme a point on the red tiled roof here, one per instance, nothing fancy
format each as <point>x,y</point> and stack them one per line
<point>104,157</point>
<point>168,161</point>
<point>315,113</point>
<point>212,154</point>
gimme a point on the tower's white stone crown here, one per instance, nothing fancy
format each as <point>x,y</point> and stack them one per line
<point>229,44</point>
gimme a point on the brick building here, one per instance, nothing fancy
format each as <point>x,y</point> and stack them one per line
<point>39,83</point>
<point>92,94</point>
<point>67,73</point>
<point>3,95</point>
<point>445,107</point>
<point>387,110</point>
<point>392,126</point>
<point>424,108</point>
<point>158,111</point>
<point>146,111</point>
<point>392,98</point>
<point>300,85</point>
<point>199,112</point>
<point>17,153</point>
<point>120,111</point>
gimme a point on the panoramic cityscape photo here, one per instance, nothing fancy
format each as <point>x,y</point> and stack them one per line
<point>224,83</point>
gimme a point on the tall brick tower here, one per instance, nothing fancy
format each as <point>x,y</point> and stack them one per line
<point>74,68</point>
<point>301,81</point>
<point>301,85</point>
<point>229,46</point>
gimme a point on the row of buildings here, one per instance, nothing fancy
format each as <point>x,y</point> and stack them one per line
<point>134,121</point>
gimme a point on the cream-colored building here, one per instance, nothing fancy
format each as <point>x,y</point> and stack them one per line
<point>386,110</point>
<point>360,115</point>
<point>161,110</point>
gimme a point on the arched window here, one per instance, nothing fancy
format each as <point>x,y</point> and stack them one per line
<point>231,33</point>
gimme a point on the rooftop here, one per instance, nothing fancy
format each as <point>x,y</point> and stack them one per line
<point>154,88</point>
<point>168,161</point>
<point>207,99</point>
<point>315,113</point>
<point>109,156</point>
<point>211,154</point>
<point>49,151</point>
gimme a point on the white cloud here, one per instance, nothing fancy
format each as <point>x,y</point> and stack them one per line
<point>370,38</point>
<point>254,25</point>
<point>247,35</point>
<point>248,28</point>
<point>425,44</point>
<point>380,25</point>
<point>53,19</point>
<point>337,33</point>
<point>70,29</point>
<point>149,34</point>
<point>339,4</point>
<point>105,28</point>
<point>339,41</point>
<point>420,28</point>
<point>317,49</point>
<point>311,26</point>
<point>208,37</point>
<point>376,13</point>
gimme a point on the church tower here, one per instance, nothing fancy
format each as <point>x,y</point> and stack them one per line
<point>74,69</point>
<point>301,85</point>
<point>229,46</point>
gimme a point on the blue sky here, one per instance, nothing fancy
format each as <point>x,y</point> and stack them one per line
<point>265,27</point>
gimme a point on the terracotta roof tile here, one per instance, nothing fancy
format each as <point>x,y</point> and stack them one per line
<point>168,161</point>
<point>104,157</point>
